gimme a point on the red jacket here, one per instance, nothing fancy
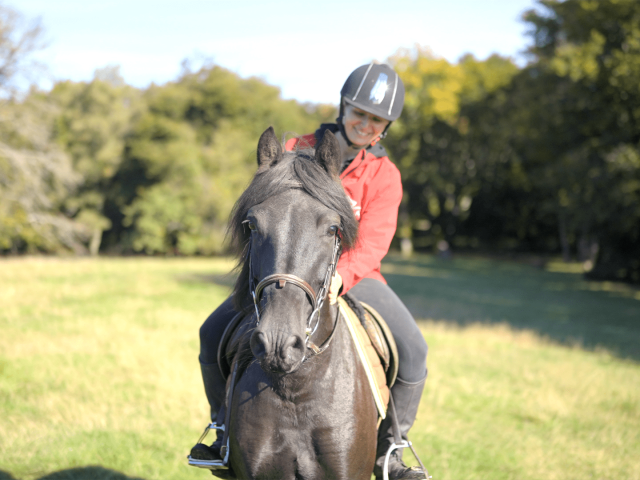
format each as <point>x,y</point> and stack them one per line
<point>373,185</point>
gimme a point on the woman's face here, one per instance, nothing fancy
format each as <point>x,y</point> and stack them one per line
<point>362,127</point>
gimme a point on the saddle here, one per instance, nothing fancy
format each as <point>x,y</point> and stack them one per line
<point>371,335</point>
<point>375,346</point>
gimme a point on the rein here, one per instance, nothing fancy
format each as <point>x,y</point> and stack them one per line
<point>317,300</point>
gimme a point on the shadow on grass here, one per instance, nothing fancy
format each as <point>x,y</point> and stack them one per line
<point>81,473</point>
<point>560,306</point>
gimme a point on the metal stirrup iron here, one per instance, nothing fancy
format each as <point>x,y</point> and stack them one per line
<point>210,464</point>
<point>398,442</point>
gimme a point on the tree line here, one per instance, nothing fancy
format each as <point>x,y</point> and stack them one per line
<point>494,156</point>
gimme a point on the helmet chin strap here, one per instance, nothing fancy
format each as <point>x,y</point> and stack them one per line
<point>341,125</point>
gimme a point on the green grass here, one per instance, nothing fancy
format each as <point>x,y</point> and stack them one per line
<point>532,373</point>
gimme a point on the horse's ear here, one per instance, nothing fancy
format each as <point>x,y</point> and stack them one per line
<point>328,154</point>
<point>269,149</point>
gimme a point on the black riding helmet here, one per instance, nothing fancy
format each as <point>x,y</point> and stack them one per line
<point>375,88</point>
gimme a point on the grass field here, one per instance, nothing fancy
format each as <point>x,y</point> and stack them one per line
<point>533,373</point>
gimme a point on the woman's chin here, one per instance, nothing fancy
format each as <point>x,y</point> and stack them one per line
<point>359,142</point>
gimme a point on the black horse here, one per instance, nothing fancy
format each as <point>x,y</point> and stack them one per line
<point>301,407</point>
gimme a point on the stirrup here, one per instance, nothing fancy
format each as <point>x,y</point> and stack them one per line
<point>223,463</point>
<point>394,446</point>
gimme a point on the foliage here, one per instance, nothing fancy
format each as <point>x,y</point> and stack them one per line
<point>35,174</point>
<point>598,49</point>
<point>429,142</point>
<point>589,52</point>
<point>540,158</point>
<point>154,171</point>
<point>188,157</point>
<point>93,121</point>
<point>35,178</point>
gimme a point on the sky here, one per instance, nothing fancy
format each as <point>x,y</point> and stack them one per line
<point>306,48</point>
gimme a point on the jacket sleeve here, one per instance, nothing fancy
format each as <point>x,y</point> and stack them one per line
<point>291,144</point>
<point>305,141</point>
<point>378,222</point>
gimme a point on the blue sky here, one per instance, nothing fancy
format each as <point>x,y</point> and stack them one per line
<point>305,48</point>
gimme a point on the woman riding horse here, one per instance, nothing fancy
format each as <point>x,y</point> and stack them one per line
<point>371,98</point>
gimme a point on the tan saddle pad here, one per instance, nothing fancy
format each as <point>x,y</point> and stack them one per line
<point>376,349</point>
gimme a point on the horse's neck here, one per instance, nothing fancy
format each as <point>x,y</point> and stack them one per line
<point>329,320</point>
<point>340,349</point>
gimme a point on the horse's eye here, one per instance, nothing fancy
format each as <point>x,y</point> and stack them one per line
<point>250,224</point>
<point>333,230</point>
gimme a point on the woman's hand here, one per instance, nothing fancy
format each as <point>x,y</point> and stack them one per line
<point>334,288</point>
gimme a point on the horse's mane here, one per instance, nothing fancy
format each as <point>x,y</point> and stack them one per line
<point>296,169</point>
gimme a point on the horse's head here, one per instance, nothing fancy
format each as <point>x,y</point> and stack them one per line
<point>289,219</point>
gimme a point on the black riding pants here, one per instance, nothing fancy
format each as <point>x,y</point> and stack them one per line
<point>412,348</point>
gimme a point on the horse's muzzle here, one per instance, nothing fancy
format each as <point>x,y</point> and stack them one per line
<point>277,353</point>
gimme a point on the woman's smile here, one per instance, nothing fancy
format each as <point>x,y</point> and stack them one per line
<point>361,127</point>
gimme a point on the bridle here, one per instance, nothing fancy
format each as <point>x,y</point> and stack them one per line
<point>256,291</point>
<point>317,300</point>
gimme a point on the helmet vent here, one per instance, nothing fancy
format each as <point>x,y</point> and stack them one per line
<point>362,82</point>
<point>393,98</point>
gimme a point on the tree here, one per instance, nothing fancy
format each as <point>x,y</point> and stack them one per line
<point>593,48</point>
<point>94,119</point>
<point>430,141</point>
<point>19,39</point>
<point>35,174</point>
<point>189,155</point>
<point>35,177</point>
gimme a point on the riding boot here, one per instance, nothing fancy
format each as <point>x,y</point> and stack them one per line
<point>406,397</point>
<point>214,388</point>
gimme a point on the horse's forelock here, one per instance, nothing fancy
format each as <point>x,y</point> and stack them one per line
<point>296,169</point>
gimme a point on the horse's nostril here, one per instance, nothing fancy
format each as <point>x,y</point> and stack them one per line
<point>259,344</point>
<point>292,348</point>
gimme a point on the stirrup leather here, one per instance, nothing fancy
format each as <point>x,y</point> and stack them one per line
<point>223,464</point>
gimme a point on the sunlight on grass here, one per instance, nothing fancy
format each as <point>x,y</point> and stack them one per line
<point>530,372</point>
<point>99,364</point>
<point>507,401</point>
<point>559,266</point>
